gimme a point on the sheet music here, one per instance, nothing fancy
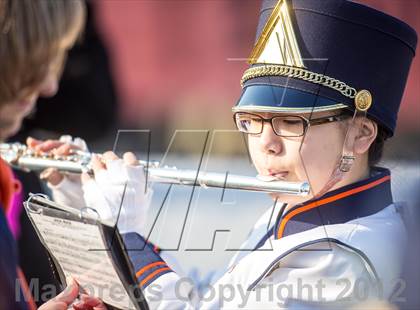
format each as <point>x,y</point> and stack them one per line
<point>79,249</point>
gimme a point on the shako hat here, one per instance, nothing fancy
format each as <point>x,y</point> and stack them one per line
<point>320,55</point>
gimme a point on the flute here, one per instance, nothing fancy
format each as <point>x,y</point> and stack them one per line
<point>22,157</point>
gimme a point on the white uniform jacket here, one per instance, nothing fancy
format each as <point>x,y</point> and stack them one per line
<point>340,249</point>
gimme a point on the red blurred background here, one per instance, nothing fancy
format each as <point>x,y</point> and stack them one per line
<point>172,59</point>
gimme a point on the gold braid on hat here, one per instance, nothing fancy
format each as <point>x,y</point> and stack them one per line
<point>299,73</point>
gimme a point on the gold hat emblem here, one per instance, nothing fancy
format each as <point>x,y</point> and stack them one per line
<point>278,53</point>
<point>277,43</point>
<point>363,100</point>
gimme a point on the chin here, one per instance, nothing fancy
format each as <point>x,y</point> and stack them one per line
<point>2,137</point>
<point>10,130</point>
<point>289,199</point>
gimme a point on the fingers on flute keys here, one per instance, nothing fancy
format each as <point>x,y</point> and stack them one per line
<point>99,163</point>
<point>130,159</point>
<point>56,147</point>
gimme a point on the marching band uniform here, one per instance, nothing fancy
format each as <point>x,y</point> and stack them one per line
<point>356,256</point>
<point>345,246</point>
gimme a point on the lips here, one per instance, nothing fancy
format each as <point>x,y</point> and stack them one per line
<point>280,175</point>
<point>273,175</point>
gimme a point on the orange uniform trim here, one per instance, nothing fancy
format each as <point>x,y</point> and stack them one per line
<point>147,267</point>
<point>25,290</point>
<point>153,274</point>
<point>327,200</point>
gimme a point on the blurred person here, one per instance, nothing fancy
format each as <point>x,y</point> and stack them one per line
<point>319,101</point>
<point>35,36</point>
<point>86,84</point>
<point>86,92</point>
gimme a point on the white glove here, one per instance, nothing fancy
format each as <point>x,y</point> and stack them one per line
<point>69,190</point>
<point>105,193</point>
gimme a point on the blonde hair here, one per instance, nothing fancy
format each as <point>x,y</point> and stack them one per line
<point>34,36</point>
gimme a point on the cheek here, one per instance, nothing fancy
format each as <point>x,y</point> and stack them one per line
<point>256,155</point>
<point>320,153</point>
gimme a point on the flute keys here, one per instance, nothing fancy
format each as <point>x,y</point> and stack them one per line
<point>59,157</point>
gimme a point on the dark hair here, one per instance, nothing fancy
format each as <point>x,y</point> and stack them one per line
<point>377,148</point>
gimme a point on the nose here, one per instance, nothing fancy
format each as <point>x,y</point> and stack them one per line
<point>270,143</point>
<point>50,85</point>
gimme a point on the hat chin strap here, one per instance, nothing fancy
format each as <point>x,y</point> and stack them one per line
<point>347,158</point>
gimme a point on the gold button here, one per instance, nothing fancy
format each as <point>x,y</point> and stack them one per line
<point>363,100</point>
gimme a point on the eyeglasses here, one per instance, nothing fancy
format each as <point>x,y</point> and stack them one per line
<point>284,126</point>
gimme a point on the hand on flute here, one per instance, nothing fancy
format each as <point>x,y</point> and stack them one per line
<point>117,191</point>
<point>63,147</point>
<point>66,188</point>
